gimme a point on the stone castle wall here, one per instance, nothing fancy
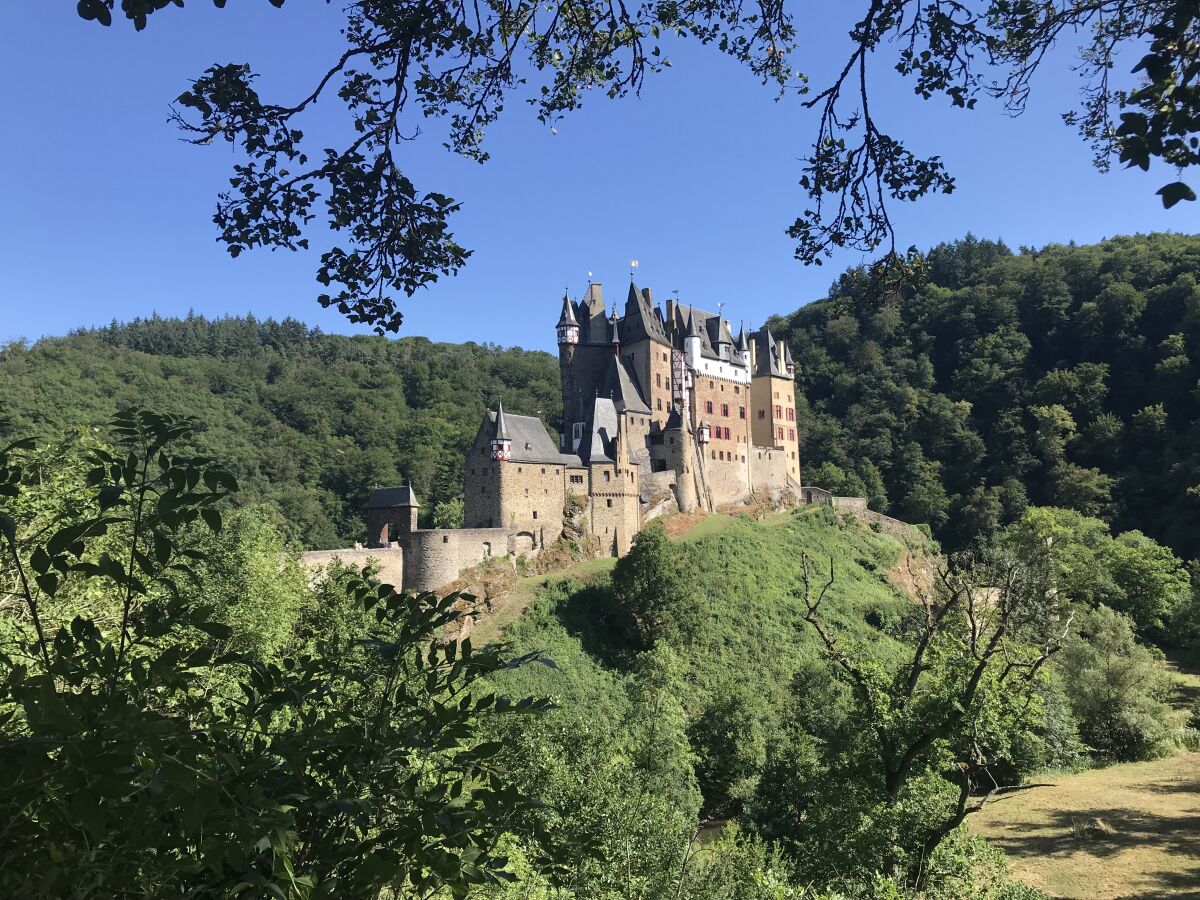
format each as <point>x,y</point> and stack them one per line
<point>769,469</point>
<point>616,506</point>
<point>436,557</point>
<point>532,497</point>
<point>389,559</point>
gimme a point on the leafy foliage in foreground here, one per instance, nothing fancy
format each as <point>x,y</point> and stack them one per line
<point>144,759</point>
<point>1066,377</point>
<point>306,421</point>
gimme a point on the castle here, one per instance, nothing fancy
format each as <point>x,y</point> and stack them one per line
<point>664,410</point>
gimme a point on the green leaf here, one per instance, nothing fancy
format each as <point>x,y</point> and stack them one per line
<point>212,519</point>
<point>219,630</point>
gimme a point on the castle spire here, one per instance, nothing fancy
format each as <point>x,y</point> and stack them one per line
<point>568,325</point>
<point>501,425</point>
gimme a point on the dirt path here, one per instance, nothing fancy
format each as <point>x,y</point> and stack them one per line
<point>1127,831</point>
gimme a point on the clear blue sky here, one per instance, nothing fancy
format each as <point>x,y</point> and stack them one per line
<point>106,214</point>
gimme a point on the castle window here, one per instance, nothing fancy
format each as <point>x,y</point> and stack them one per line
<point>762,413</point>
<point>724,409</point>
<point>535,513</point>
<point>660,402</point>
<point>607,476</point>
<point>779,433</point>
<point>714,454</point>
<point>526,492</point>
<point>778,411</point>
<point>708,406</point>
<point>777,395</point>
<point>664,356</point>
<point>546,491</point>
<point>710,384</point>
<point>658,379</point>
<point>741,412</point>
<point>736,389</point>
<point>445,538</point>
<point>722,388</point>
<point>791,434</point>
<point>519,469</point>
<point>609,502</point>
<point>543,471</point>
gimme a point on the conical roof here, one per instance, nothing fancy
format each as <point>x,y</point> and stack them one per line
<point>501,425</point>
<point>568,312</point>
<point>693,328</point>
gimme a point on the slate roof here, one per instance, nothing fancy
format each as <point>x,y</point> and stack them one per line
<point>388,497</point>
<point>620,386</point>
<point>767,359</point>
<point>712,329</point>
<point>530,440</point>
<point>600,433</point>
<point>501,433</point>
<point>641,320</point>
<point>568,312</point>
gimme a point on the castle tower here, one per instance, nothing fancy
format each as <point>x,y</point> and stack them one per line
<point>773,396</point>
<point>390,509</point>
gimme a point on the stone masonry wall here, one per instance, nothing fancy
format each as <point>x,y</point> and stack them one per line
<point>438,555</point>
<point>531,501</point>
<point>390,560</point>
<point>481,487</point>
<point>768,468</point>
<point>616,503</point>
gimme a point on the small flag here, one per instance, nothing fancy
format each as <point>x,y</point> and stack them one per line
<point>633,264</point>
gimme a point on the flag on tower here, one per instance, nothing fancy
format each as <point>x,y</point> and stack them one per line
<point>633,264</point>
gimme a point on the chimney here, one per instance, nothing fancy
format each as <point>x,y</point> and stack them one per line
<point>670,312</point>
<point>649,297</point>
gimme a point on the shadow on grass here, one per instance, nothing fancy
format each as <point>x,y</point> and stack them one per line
<point>1104,833</point>
<point>604,631</point>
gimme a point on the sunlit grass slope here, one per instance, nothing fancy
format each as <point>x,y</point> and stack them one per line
<point>745,576</point>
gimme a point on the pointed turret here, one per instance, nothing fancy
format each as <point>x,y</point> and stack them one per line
<point>693,343</point>
<point>501,442</point>
<point>568,325</point>
<point>788,364</point>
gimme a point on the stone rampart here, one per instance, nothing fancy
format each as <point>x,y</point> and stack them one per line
<point>436,557</point>
<point>390,560</point>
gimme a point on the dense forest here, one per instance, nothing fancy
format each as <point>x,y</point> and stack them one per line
<point>987,382</point>
<point>1067,376</point>
<point>307,421</point>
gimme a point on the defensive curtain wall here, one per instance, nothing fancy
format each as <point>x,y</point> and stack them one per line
<point>427,560</point>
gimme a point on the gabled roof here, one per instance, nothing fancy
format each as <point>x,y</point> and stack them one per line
<point>641,320</point>
<point>620,386</point>
<point>530,440</point>
<point>600,433</point>
<point>388,497</point>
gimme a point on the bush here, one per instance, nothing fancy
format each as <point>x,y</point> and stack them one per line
<point>1116,688</point>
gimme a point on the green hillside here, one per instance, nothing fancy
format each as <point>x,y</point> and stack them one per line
<point>992,380</point>
<point>307,421</point>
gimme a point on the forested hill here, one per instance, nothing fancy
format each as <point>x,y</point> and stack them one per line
<point>308,421</point>
<point>1066,376</point>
